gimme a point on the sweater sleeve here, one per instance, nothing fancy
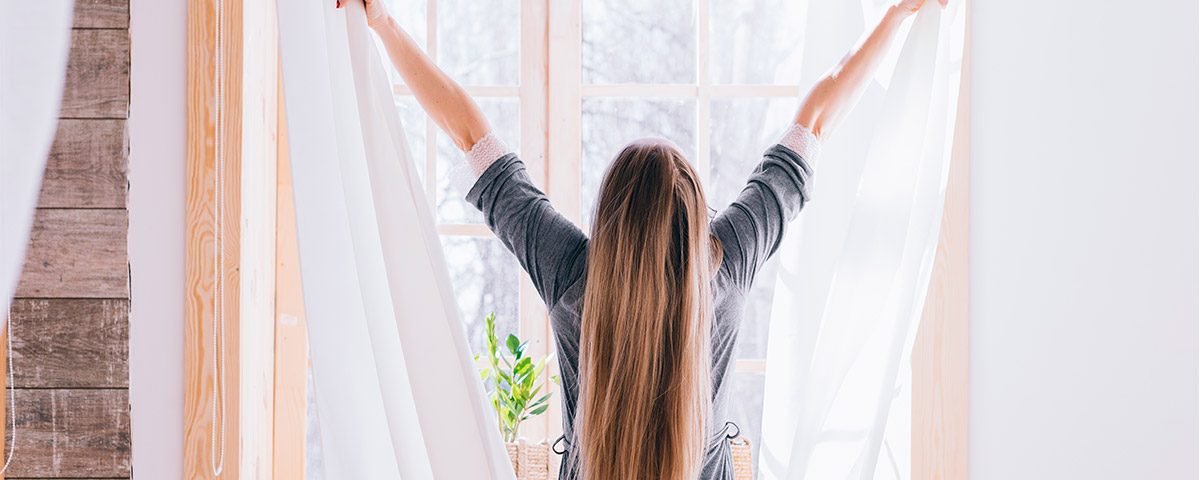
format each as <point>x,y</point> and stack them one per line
<point>485,152</point>
<point>548,246</point>
<point>751,229</point>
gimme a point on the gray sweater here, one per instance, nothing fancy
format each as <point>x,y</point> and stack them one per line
<point>554,253</point>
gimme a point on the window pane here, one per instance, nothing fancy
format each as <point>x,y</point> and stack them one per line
<point>410,14</point>
<point>455,178</point>
<point>756,41</point>
<point>414,130</point>
<point>639,41</point>
<point>746,407</point>
<point>742,129</point>
<point>609,124</point>
<point>478,42</point>
<point>485,277</point>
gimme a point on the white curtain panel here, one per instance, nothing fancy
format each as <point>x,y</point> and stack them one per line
<point>853,276</point>
<point>35,37</point>
<point>396,391</point>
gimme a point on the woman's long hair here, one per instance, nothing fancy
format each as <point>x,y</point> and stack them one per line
<point>645,366</point>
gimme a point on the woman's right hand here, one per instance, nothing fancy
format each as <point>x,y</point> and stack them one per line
<point>377,13</point>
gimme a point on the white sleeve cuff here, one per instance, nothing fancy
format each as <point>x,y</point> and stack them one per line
<point>485,152</point>
<point>802,141</point>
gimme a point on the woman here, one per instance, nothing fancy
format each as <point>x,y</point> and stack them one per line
<point>646,310</point>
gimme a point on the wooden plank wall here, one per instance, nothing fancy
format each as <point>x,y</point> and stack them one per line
<point>70,320</point>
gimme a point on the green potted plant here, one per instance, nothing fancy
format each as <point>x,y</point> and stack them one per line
<point>518,392</point>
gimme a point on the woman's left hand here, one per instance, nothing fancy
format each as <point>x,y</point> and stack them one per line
<point>913,6</point>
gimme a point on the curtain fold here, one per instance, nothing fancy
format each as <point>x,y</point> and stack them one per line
<point>396,391</point>
<point>35,38</point>
<point>853,279</point>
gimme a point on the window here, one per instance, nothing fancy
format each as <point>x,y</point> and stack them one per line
<point>720,79</point>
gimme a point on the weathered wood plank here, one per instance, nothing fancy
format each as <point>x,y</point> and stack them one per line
<point>71,434</point>
<point>97,84</point>
<point>76,254</point>
<point>101,14</point>
<point>70,343</point>
<point>87,166</point>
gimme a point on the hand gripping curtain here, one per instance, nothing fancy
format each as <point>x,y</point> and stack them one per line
<point>397,394</point>
<point>34,40</point>
<point>852,282</point>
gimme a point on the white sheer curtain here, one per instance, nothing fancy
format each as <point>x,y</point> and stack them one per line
<point>397,393</point>
<point>35,38</point>
<point>854,273</point>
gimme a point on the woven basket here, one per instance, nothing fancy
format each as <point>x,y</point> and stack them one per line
<point>743,465</point>
<point>531,461</point>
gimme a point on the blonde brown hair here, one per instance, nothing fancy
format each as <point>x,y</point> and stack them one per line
<point>645,365</point>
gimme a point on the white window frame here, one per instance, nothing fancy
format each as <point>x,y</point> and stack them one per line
<point>551,136</point>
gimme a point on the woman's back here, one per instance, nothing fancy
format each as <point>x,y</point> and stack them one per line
<point>555,253</point>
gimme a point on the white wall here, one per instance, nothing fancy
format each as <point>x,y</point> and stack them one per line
<point>1084,239</point>
<point>157,133</point>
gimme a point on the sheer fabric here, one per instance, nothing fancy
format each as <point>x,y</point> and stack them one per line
<point>855,271</point>
<point>396,391</point>
<point>35,38</point>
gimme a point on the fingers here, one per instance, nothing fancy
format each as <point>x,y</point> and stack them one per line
<point>910,6</point>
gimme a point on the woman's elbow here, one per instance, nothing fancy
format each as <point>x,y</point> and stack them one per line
<point>814,110</point>
<point>465,133</point>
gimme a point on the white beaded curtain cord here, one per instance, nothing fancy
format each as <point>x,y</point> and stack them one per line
<point>217,452</point>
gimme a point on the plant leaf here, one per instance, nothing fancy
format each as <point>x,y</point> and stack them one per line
<point>524,366</point>
<point>541,366</point>
<point>514,344</point>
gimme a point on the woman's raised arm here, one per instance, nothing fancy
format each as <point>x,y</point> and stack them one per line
<point>446,102</point>
<point>835,94</point>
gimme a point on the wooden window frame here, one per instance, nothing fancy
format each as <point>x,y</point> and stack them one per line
<point>248,124</point>
<point>940,358</point>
